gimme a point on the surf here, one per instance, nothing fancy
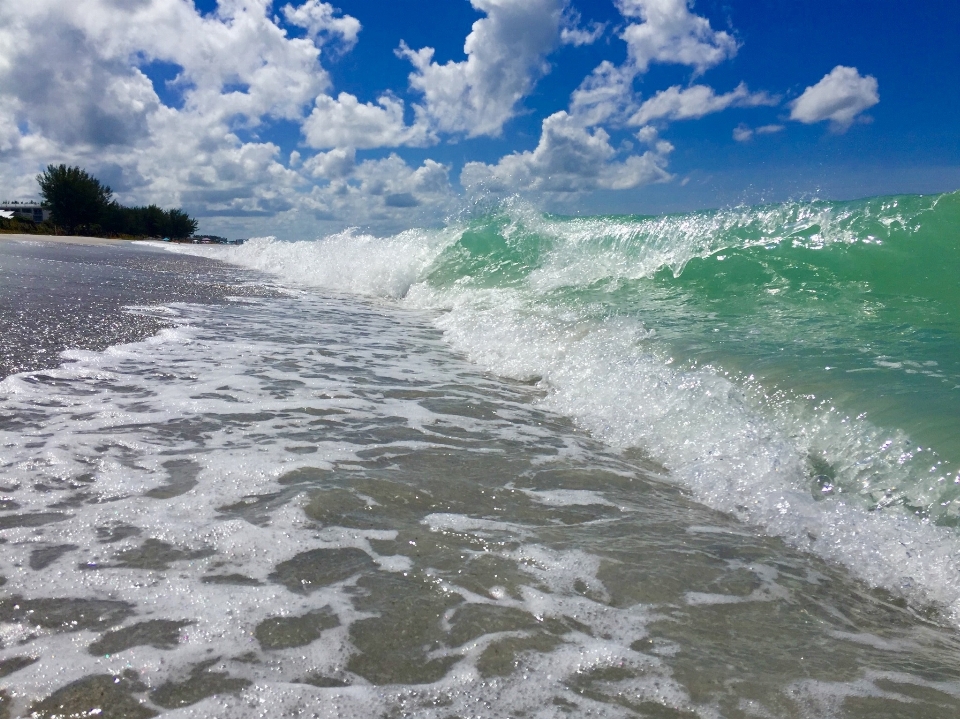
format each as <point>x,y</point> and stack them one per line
<point>795,365</point>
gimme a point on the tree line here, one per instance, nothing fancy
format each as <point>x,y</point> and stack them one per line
<point>81,204</point>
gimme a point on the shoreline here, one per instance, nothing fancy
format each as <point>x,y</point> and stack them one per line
<point>339,461</point>
<point>70,292</point>
<point>64,239</point>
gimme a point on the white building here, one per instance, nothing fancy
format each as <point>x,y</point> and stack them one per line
<point>25,211</point>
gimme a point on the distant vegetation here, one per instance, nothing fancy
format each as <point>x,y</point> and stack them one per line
<point>80,204</point>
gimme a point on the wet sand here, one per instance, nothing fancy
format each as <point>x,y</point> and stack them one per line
<point>64,239</point>
<point>59,293</point>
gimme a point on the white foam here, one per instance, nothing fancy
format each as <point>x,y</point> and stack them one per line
<point>736,450</point>
<point>712,435</point>
<point>568,497</point>
<point>825,698</point>
<point>348,261</point>
<point>105,414</point>
<point>121,415</point>
<point>475,526</point>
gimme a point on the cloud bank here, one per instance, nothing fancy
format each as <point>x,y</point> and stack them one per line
<point>234,114</point>
<point>568,159</point>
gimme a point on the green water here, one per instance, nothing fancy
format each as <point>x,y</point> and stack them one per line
<point>839,311</point>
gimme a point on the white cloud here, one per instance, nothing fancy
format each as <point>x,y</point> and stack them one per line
<point>71,90</point>
<point>505,57</point>
<point>85,56</point>
<point>385,196</point>
<point>382,191</point>
<point>569,158</point>
<point>605,95</point>
<point>571,33</point>
<point>346,122</point>
<point>670,33</point>
<point>743,133</point>
<point>319,20</point>
<point>65,90</point>
<point>839,97</point>
<point>696,101</point>
<point>9,134</point>
<point>234,62</point>
<point>650,136</point>
<point>75,87</point>
<point>333,165</point>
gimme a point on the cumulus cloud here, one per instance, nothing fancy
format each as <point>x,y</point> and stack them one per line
<point>235,62</point>
<point>506,53</point>
<point>73,89</point>
<point>67,91</point>
<point>839,97</point>
<point>382,190</point>
<point>696,101</point>
<point>605,95</point>
<point>9,134</point>
<point>651,137</point>
<point>346,122</point>
<point>670,33</point>
<point>572,33</point>
<point>667,33</point>
<point>78,84</point>
<point>574,153</point>
<point>333,165</point>
<point>568,159</point>
<point>320,21</point>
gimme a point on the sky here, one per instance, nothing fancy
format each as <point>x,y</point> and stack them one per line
<point>299,118</point>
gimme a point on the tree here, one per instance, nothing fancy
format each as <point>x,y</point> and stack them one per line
<point>180,225</point>
<point>78,199</point>
<point>75,197</point>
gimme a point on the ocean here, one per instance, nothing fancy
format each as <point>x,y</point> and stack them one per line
<point>521,465</point>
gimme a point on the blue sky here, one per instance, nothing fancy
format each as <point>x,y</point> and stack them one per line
<point>297,118</point>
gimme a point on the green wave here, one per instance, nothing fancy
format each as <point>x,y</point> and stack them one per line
<point>505,246</point>
<point>848,308</point>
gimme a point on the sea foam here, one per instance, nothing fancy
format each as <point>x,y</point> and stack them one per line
<point>727,438</point>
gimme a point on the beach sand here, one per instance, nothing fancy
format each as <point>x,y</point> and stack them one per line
<point>59,293</point>
<point>64,239</point>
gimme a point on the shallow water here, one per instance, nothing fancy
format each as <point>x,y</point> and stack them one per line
<point>311,506</point>
<point>794,365</point>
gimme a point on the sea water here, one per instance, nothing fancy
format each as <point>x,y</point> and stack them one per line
<point>702,465</point>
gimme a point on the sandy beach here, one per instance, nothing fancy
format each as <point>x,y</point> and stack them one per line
<point>69,292</point>
<point>64,239</point>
